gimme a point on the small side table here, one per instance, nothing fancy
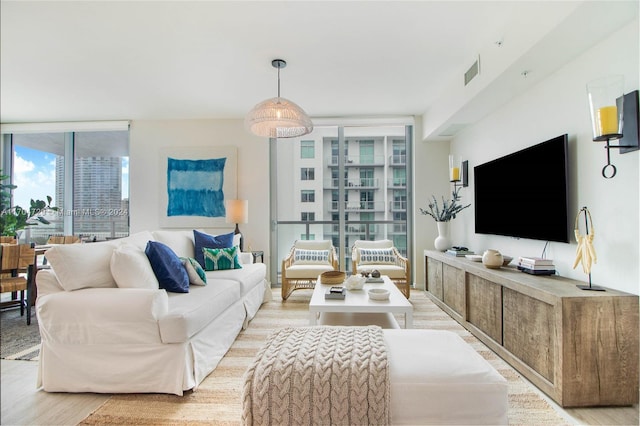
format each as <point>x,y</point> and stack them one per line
<point>256,255</point>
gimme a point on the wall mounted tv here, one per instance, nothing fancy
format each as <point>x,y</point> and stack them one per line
<point>525,194</point>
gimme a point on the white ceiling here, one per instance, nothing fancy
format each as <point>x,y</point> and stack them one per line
<point>75,61</point>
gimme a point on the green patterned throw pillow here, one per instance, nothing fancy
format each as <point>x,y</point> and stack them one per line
<point>222,258</point>
<point>194,270</point>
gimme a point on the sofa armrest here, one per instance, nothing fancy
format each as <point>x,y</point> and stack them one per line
<point>47,282</point>
<point>102,315</point>
<point>245,258</point>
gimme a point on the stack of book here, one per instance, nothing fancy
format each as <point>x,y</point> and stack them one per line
<point>459,251</point>
<point>536,265</point>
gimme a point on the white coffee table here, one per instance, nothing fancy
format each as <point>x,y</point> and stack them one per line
<point>358,309</point>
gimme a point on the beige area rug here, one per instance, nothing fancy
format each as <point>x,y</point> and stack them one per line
<point>217,400</point>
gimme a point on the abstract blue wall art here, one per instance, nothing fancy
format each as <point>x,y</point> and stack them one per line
<point>195,187</point>
<point>194,183</point>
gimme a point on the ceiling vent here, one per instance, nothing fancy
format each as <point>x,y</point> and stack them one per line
<point>472,72</point>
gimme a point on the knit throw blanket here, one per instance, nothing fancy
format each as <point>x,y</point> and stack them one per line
<point>319,375</point>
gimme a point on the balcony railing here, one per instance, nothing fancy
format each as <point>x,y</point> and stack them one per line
<point>89,229</point>
<point>359,206</point>
<point>397,206</point>
<point>355,183</point>
<point>397,183</point>
<point>359,160</point>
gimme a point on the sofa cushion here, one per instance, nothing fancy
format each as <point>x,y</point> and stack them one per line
<point>167,267</point>
<point>83,265</point>
<point>248,277</point>
<point>190,313</point>
<point>130,268</point>
<point>380,256</point>
<point>194,271</point>
<point>181,242</point>
<point>203,240</point>
<point>138,240</point>
<point>220,259</point>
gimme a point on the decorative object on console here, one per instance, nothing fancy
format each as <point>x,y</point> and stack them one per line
<point>585,252</point>
<point>237,211</point>
<point>443,215</point>
<point>278,117</point>
<point>492,259</point>
<point>536,265</point>
<point>607,105</point>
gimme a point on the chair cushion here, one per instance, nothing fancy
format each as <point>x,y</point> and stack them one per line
<point>220,259</point>
<point>203,240</point>
<point>167,267</point>
<point>311,257</point>
<point>130,268</point>
<point>373,244</point>
<point>309,272</point>
<point>392,271</point>
<point>195,272</point>
<point>377,256</point>
<point>313,245</point>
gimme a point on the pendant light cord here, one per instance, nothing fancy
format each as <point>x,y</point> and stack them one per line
<point>278,82</point>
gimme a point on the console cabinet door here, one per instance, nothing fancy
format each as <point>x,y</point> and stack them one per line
<point>530,332</point>
<point>453,288</point>
<point>434,278</point>
<point>484,306</point>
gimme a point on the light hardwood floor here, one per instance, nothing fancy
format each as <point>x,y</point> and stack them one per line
<point>23,404</point>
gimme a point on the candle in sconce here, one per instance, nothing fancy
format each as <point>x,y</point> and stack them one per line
<point>455,174</point>
<point>608,120</point>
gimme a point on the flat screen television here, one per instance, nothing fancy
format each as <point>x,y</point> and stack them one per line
<point>525,194</point>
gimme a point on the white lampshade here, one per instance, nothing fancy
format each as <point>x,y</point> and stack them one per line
<point>237,211</point>
<point>278,117</point>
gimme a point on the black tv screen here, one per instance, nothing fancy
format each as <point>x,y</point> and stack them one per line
<point>525,194</point>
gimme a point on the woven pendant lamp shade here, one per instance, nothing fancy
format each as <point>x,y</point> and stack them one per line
<point>278,117</point>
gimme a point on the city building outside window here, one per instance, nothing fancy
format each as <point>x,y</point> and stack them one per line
<point>307,173</point>
<point>307,149</point>
<point>307,216</point>
<point>308,196</point>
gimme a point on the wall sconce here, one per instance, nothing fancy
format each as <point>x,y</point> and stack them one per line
<point>458,171</point>
<point>237,212</point>
<point>611,110</point>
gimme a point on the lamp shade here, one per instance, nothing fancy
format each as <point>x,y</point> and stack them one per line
<point>237,211</point>
<point>278,118</point>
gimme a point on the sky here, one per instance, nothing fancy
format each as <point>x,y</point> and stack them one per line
<point>34,173</point>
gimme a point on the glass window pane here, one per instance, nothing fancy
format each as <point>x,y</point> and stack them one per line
<point>38,172</point>
<point>101,184</point>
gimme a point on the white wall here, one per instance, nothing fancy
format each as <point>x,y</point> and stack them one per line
<point>148,137</point>
<point>555,106</point>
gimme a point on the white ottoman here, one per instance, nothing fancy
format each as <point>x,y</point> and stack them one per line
<point>437,378</point>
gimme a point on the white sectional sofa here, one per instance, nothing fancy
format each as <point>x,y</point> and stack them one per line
<point>98,337</point>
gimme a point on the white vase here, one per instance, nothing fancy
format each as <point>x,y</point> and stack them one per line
<point>442,242</point>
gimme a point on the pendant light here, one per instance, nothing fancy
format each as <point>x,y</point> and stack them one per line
<point>278,117</point>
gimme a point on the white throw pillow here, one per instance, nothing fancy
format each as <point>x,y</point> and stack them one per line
<point>130,268</point>
<point>377,257</point>
<point>82,265</point>
<point>138,240</point>
<point>311,257</point>
<point>181,242</point>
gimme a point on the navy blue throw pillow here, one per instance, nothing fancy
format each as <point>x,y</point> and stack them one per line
<point>203,240</point>
<point>167,267</point>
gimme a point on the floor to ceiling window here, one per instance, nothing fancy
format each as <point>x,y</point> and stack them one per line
<point>341,183</point>
<point>86,174</point>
